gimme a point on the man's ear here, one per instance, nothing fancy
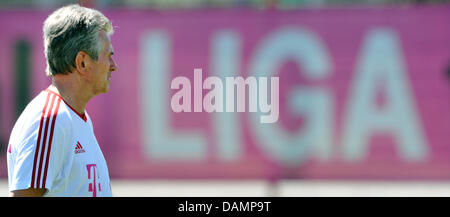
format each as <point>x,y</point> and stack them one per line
<point>82,63</point>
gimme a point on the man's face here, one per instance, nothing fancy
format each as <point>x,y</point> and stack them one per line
<point>104,66</point>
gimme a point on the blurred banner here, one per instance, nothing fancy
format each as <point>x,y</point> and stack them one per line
<point>363,92</point>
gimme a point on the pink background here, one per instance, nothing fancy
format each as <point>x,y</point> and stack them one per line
<point>424,36</point>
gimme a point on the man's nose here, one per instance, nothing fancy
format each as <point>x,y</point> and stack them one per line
<point>113,66</point>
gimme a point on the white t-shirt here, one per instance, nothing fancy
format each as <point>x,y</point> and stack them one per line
<point>54,147</point>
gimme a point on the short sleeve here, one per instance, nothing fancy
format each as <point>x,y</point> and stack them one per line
<point>40,158</point>
<point>60,156</point>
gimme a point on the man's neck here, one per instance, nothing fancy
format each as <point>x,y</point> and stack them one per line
<point>72,94</point>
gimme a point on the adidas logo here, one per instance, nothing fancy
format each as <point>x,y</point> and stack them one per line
<point>79,149</point>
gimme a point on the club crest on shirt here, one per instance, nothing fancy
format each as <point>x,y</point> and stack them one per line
<point>79,148</point>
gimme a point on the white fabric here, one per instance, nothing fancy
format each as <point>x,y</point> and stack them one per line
<point>66,160</point>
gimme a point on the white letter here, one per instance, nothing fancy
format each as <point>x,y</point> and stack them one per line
<point>382,63</point>
<point>198,88</point>
<point>274,107</point>
<point>225,204</point>
<point>306,49</point>
<point>184,93</point>
<point>181,207</point>
<point>240,84</point>
<point>216,94</point>
<point>225,54</point>
<point>160,141</point>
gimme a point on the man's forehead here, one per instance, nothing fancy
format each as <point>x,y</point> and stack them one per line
<point>107,41</point>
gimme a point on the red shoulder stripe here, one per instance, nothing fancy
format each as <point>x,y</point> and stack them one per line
<point>41,159</point>
<point>38,143</point>
<point>55,113</point>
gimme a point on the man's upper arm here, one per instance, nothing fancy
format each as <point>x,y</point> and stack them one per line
<point>37,166</point>
<point>30,192</point>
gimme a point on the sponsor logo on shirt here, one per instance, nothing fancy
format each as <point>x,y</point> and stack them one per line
<point>93,176</point>
<point>79,148</point>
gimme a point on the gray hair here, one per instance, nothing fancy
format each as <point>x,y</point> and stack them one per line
<point>69,30</point>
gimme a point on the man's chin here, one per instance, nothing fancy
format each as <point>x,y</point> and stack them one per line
<point>103,90</point>
<point>106,89</point>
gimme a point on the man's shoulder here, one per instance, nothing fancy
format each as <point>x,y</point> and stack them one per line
<point>42,114</point>
<point>46,107</point>
<point>34,111</point>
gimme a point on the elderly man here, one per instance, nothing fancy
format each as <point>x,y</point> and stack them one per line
<point>52,148</point>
